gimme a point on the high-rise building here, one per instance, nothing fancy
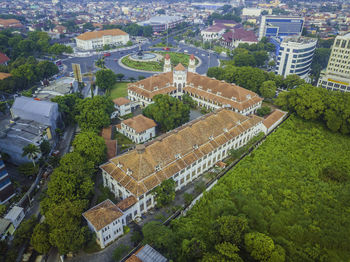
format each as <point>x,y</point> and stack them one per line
<point>277,26</point>
<point>294,56</point>
<point>337,74</point>
<point>6,187</point>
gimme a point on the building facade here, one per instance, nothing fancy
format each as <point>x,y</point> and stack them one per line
<point>162,23</point>
<point>279,26</point>
<point>213,33</point>
<point>236,36</point>
<point>122,106</point>
<point>294,56</point>
<point>205,91</point>
<point>182,154</point>
<point>6,188</point>
<point>98,39</point>
<point>337,74</point>
<point>138,128</point>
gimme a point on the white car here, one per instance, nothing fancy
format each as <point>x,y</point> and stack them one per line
<point>203,54</point>
<point>185,51</point>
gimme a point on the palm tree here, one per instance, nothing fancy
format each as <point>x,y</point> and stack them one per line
<point>31,151</point>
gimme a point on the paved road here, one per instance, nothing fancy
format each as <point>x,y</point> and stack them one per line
<point>209,59</point>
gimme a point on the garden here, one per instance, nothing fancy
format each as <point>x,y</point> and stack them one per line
<point>154,66</point>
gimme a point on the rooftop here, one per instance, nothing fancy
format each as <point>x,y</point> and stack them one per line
<point>32,106</point>
<point>141,169</point>
<point>3,58</point>
<point>99,34</point>
<point>121,101</point>
<point>4,75</point>
<point>102,214</point>
<point>147,254</point>
<point>127,203</point>
<point>139,123</point>
<point>14,213</point>
<point>273,118</point>
<point>59,87</point>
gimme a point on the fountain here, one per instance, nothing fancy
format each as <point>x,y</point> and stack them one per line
<point>142,56</point>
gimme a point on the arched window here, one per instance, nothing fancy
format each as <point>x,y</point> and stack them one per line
<point>179,87</point>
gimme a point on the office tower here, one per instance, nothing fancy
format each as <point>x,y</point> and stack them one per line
<point>279,26</point>
<point>337,74</point>
<point>294,56</point>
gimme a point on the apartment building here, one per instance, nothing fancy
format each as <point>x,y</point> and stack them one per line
<point>337,74</point>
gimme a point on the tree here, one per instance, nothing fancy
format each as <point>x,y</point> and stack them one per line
<point>24,231</point>
<point>141,77</point>
<point>263,111</point>
<point>46,69</point>
<point>90,146</point>
<point>40,238</point>
<point>67,106</point>
<point>59,49</point>
<point>147,31</point>
<point>119,76</point>
<point>74,163</point>
<point>231,228</point>
<point>132,79</point>
<point>187,100</point>
<point>165,193</point>
<point>45,148</point>
<point>88,26</point>
<point>292,81</point>
<point>268,89</point>
<point>105,79</point>
<point>66,231</point>
<point>157,235</point>
<point>66,187</point>
<point>94,113</point>
<point>259,245</point>
<point>260,57</point>
<point>2,209</point>
<point>31,151</point>
<point>168,112</point>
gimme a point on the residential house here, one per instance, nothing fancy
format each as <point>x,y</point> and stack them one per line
<point>236,36</point>
<point>146,254</point>
<point>4,59</point>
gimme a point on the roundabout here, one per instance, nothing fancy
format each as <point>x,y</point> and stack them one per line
<point>153,62</point>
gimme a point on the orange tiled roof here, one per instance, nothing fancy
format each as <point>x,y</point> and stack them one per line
<point>99,34</point>
<point>126,203</point>
<point>273,118</point>
<point>4,75</point>
<point>179,67</point>
<point>140,123</point>
<point>103,214</point>
<point>121,101</point>
<point>136,169</point>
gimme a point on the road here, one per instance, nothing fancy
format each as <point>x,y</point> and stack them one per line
<point>209,59</point>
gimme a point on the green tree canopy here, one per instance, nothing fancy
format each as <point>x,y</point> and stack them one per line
<point>91,147</point>
<point>168,112</point>
<point>268,89</point>
<point>94,113</point>
<point>40,238</point>
<point>67,106</point>
<point>31,151</point>
<point>105,79</point>
<point>165,193</point>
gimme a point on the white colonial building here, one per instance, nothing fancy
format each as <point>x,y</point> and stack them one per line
<point>107,219</point>
<point>207,92</point>
<point>213,33</point>
<point>182,154</point>
<point>98,39</point>
<point>138,128</point>
<point>122,106</point>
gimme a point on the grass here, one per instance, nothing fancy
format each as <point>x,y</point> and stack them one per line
<point>122,140</point>
<point>119,90</point>
<point>92,246</point>
<point>175,58</point>
<point>120,252</point>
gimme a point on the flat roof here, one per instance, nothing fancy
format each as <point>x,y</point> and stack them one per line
<point>14,213</point>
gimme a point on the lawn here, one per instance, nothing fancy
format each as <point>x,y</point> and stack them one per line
<point>175,58</point>
<point>119,90</point>
<point>122,140</point>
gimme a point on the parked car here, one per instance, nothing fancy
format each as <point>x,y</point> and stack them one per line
<point>166,48</point>
<point>106,54</point>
